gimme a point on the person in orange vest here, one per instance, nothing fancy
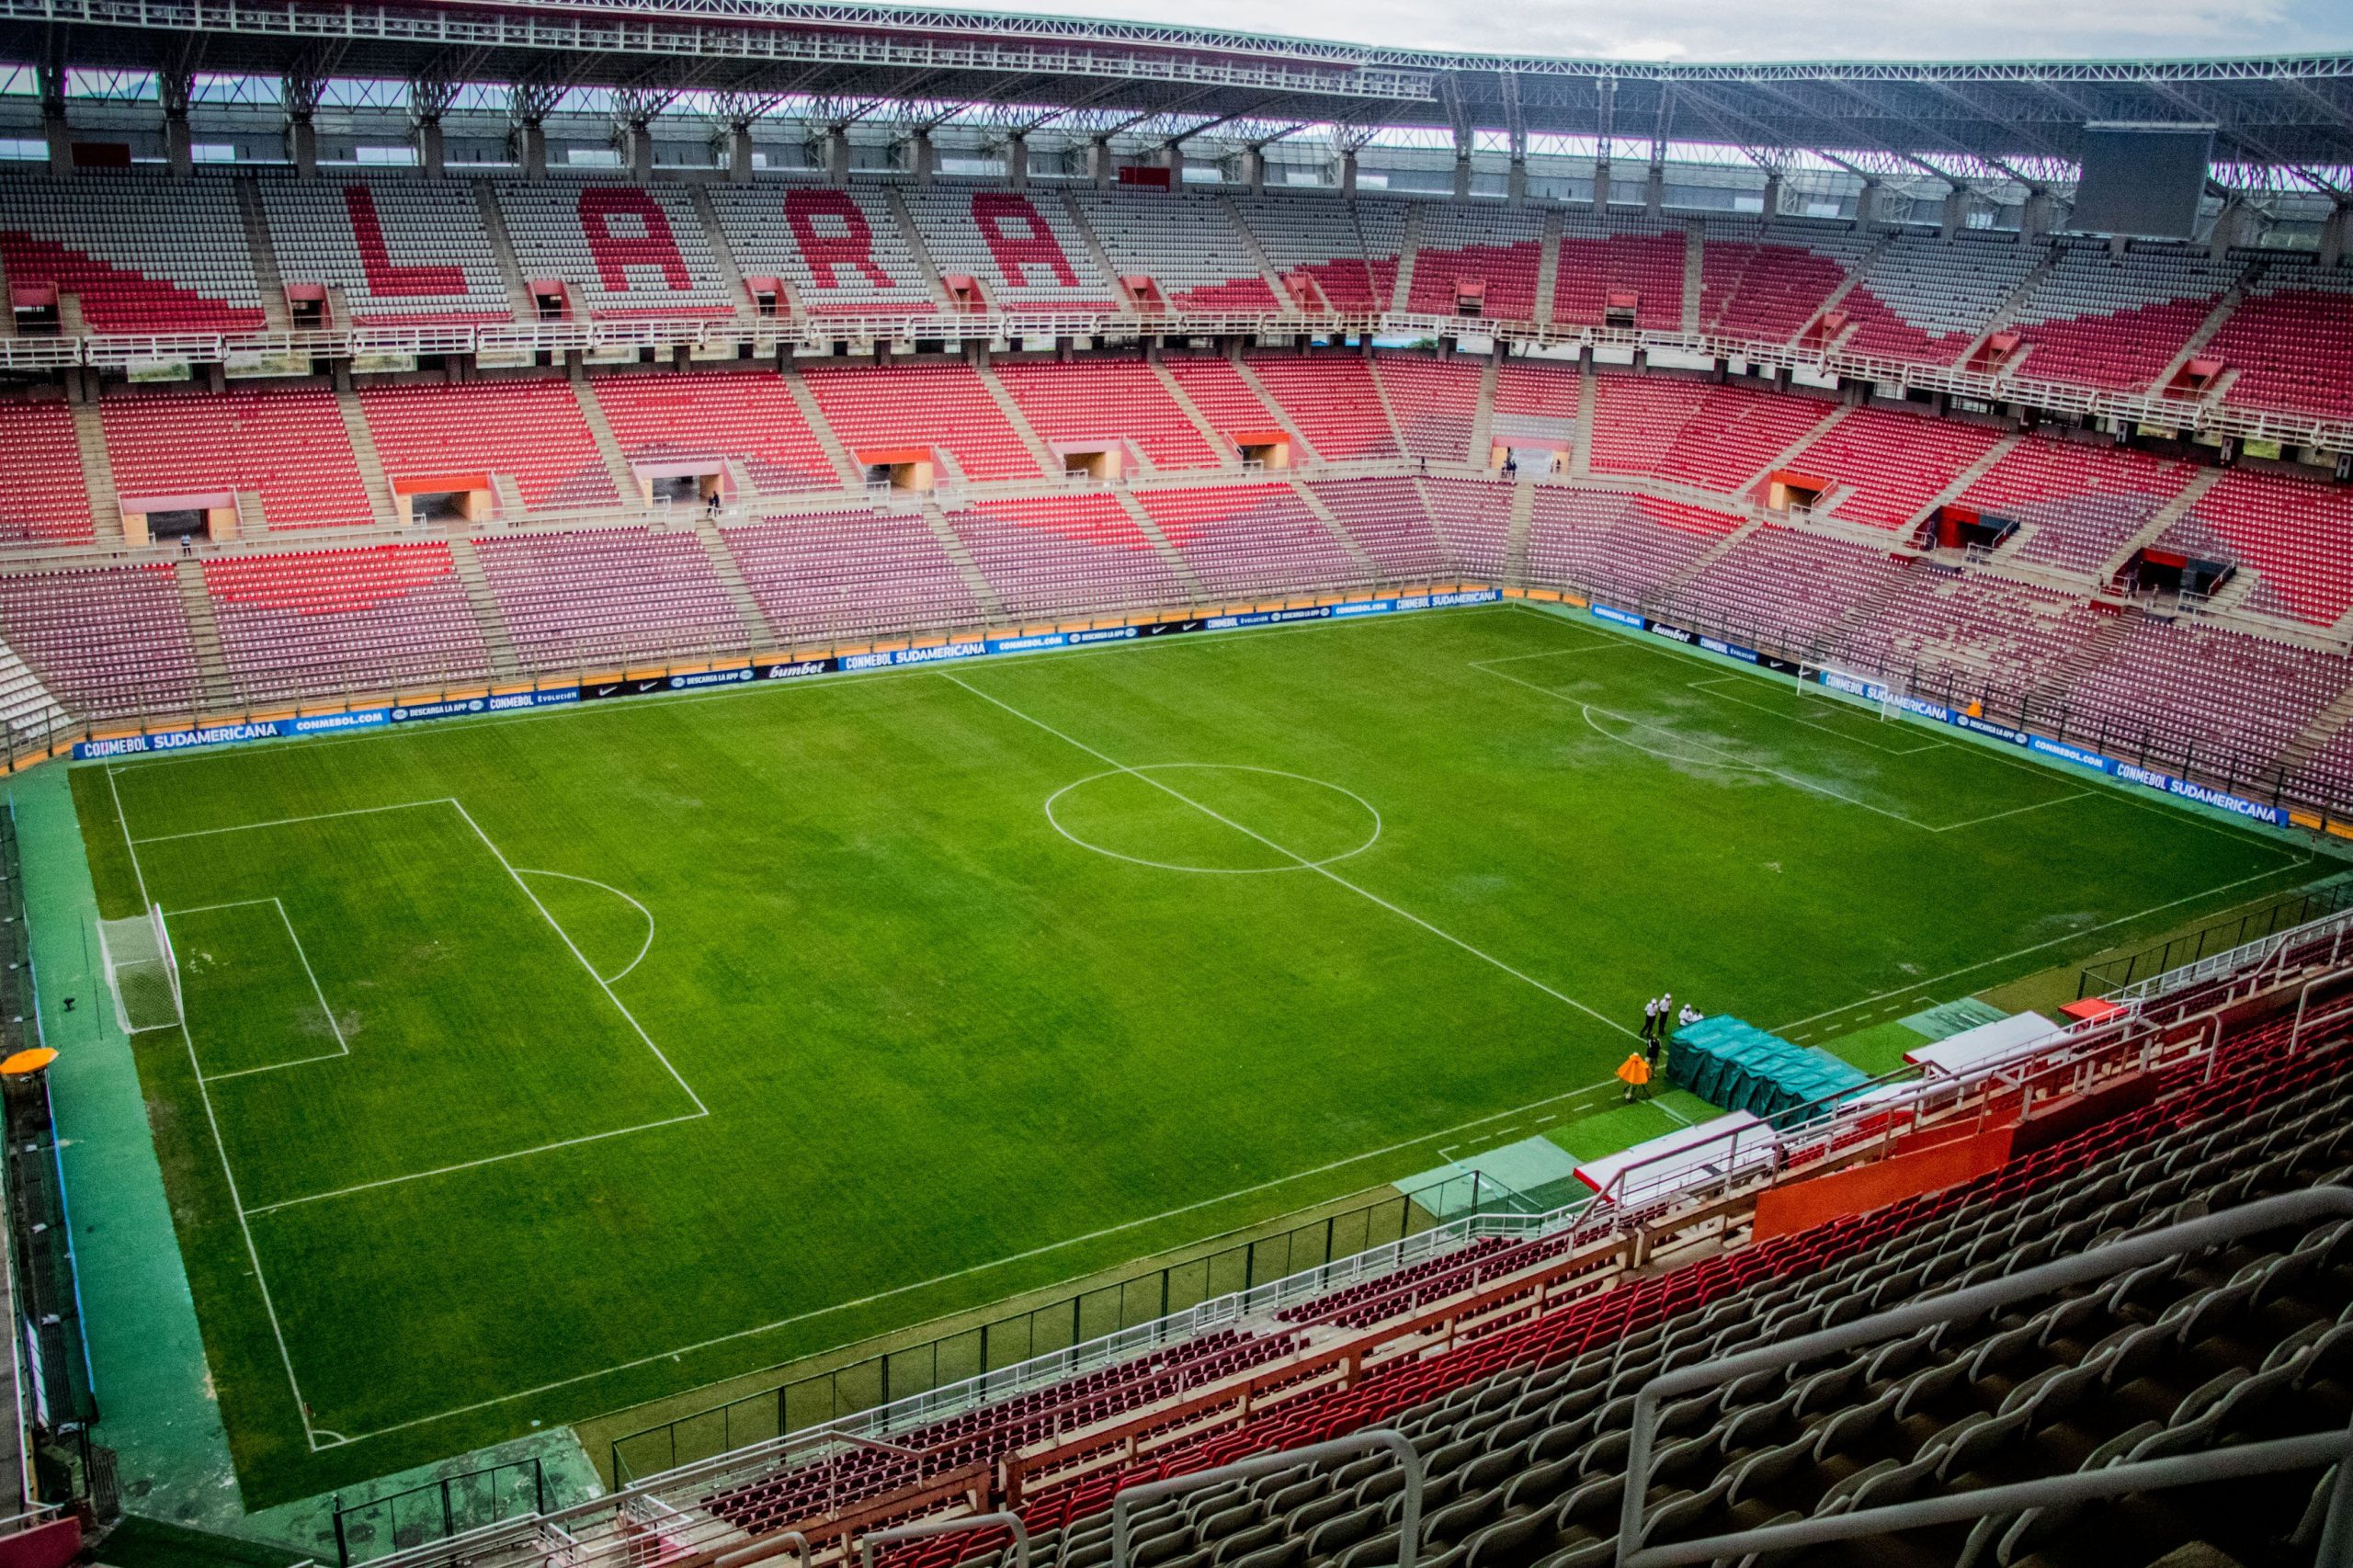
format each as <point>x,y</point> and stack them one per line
<point>1635,1074</point>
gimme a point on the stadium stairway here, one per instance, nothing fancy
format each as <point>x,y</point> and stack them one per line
<point>1846,285</point>
<point>600,429</point>
<point>1347,541</point>
<point>97,473</point>
<point>1548,265</point>
<point>2011,304</point>
<point>1523,516</point>
<point>265,256</point>
<point>217,686</point>
<point>1409,247</point>
<point>504,661</point>
<point>844,466</point>
<point>758,632</point>
<point>975,582</point>
<point>2224,307</point>
<point>1170,556</point>
<point>382,504</point>
<point>502,248</point>
<point>1031,441</point>
<point>1482,413</point>
<point>1226,457</point>
<point>721,256</point>
<point>1302,447</point>
<point>2160,522</point>
<point>1695,269</point>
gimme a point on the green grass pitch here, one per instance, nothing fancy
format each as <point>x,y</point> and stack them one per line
<point>538,1067</point>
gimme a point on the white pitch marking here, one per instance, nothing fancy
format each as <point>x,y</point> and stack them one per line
<point>1320,871</point>
<point>643,948</point>
<point>342,1046</point>
<point>1706,685</point>
<point>288,821</point>
<point>1049,1247</point>
<point>252,1253</point>
<point>2055,941</point>
<point>1217,871</point>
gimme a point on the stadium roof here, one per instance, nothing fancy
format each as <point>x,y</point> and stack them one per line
<point>1093,75</point>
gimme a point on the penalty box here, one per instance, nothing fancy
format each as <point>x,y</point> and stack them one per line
<point>377,997</point>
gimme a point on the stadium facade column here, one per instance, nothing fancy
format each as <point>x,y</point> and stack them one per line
<point>739,151</point>
<point>1867,205</point>
<point>1017,160</point>
<point>176,86</point>
<point>1099,161</point>
<point>2234,226</point>
<point>1772,199</point>
<point>54,131</point>
<point>429,147</point>
<point>535,149</point>
<point>1461,176</point>
<point>2333,232</point>
<point>302,146</point>
<point>926,157</point>
<point>838,155</point>
<point>637,149</point>
<point>1515,183</point>
<point>1348,175</point>
<point>1601,186</point>
<point>1654,191</point>
<point>1956,213</point>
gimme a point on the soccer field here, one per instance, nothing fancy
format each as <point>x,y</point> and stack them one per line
<point>535,1067</point>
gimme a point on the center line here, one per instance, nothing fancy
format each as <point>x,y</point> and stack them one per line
<point>1301,860</point>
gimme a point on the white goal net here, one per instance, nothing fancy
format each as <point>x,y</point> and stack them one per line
<point>142,971</point>
<point>1867,691</point>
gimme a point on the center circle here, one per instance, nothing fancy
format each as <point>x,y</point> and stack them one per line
<point>1214,818</point>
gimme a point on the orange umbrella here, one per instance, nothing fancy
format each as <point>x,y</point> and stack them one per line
<point>1634,1071</point>
<point>24,1062</point>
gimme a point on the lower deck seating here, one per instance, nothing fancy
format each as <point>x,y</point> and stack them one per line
<point>1251,539</point>
<point>2296,535</point>
<point>2222,698</point>
<point>2079,501</point>
<point>607,596</point>
<point>1474,521</point>
<point>832,576</point>
<point>108,642</point>
<point>1781,588</point>
<point>1389,521</point>
<point>1065,556</point>
<point>386,617</point>
<point>1625,549</point>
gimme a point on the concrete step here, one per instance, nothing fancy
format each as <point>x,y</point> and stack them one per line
<point>715,235</point>
<point>504,665</point>
<point>382,503</point>
<point>844,466</point>
<point>1483,416</point>
<point>1338,530</point>
<point>98,474</point>
<point>1226,456</point>
<point>1548,265</point>
<point>758,633</point>
<point>1179,567</point>
<point>2164,517</point>
<point>265,256</point>
<point>1031,441</point>
<point>1523,520</point>
<point>984,593</point>
<point>502,248</point>
<point>1695,262</point>
<point>216,687</point>
<point>1409,247</point>
<point>1301,448</point>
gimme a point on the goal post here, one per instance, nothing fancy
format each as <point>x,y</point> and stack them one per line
<point>142,973</point>
<point>1849,686</point>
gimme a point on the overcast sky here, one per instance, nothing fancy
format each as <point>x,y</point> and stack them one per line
<point>1777,29</point>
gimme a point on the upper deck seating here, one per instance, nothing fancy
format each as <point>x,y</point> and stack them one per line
<point>1351,248</point>
<point>2098,320</point>
<point>1021,246</point>
<point>627,252</point>
<point>1928,299</point>
<point>141,253</point>
<point>1599,259</point>
<point>838,249</point>
<point>2289,340</point>
<point>1500,248</point>
<point>1225,399</point>
<point>1769,283</point>
<point>1191,245</point>
<point>402,252</point>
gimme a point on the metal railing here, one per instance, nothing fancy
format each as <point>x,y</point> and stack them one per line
<point>929,1528</point>
<point>437,1509</point>
<point>2254,1458</point>
<point>2146,965</point>
<point>899,1390</point>
<point>1380,1439</point>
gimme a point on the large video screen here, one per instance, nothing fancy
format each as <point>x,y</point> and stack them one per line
<point>2143,180</point>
